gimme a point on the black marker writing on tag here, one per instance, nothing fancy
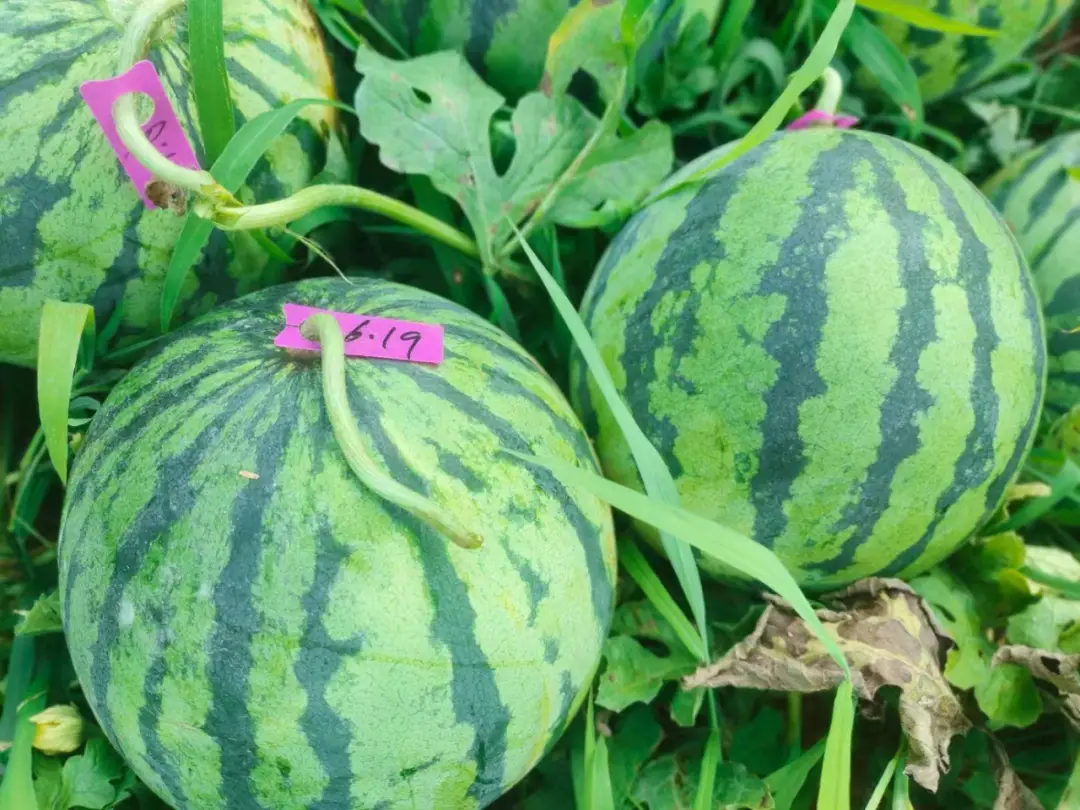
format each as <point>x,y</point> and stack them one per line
<point>413,338</point>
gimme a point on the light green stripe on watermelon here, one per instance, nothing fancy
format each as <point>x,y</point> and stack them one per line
<point>835,344</point>
<point>1041,202</point>
<point>71,224</point>
<point>293,641</point>
<point>951,63</point>
<point>505,40</point>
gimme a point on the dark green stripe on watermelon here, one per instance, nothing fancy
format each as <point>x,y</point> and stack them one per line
<point>290,640</point>
<point>834,340</point>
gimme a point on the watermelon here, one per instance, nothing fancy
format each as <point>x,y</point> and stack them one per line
<point>835,344</point>
<point>1041,202</point>
<point>254,628</point>
<point>952,63</point>
<point>504,40</point>
<point>71,223</point>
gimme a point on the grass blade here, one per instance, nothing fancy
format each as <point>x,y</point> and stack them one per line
<point>17,788</point>
<point>785,783</point>
<point>874,802</point>
<point>707,784</point>
<point>635,564</point>
<point>884,60</point>
<point>654,473</point>
<point>835,790</point>
<point>65,328</point>
<point>734,550</point>
<point>1063,485</point>
<point>915,13</point>
<point>213,99</point>
<point>808,73</point>
<point>230,170</point>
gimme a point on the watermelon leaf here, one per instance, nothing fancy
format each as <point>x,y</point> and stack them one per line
<point>44,617</point>
<point>635,737</point>
<point>213,98</point>
<point>587,38</point>
<point>917,14</point>
<point>432,116</point>
<point>66,332</point>
<point>634,674</point>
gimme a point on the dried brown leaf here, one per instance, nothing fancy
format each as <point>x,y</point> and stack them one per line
<point>889,636</point>
<point>1012,793</point>
<point>1060,669</point>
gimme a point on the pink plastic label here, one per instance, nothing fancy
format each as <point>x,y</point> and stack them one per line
<point>821,117</point>
<point>163,129</point>
<point>369,336</point>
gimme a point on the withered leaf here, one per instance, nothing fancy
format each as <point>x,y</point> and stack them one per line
<point>1060,669</point>
<point>889,637</point>
<point>1012,793</point>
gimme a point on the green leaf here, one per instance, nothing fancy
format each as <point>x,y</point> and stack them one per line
<point>635,738</point>
<point>65,329</point>
<point>501,313</point>
<point>653,471</point>
<point>1004,125</point>
<point>49,784</point>
<point>669,782</point>
<point>213,99</point>
<point>432,116</point>
<point>758,744</point>
<point>44,617</point>
<point>231,169</point>
<point>686,705</point>
<point>880,56</point>
<point>737,789</point>
<point>588,37</point>
<point>1040,625</point>
<point>633,674</point>
<point>809,72</point>
<point>1073,172</point>
<point>835,789</point>
<point>89,777</point>
<point>615,177</point>
<point>730,35</point>
<point>914,12</point>
<point>786,782</point>
<point>1007,695</point>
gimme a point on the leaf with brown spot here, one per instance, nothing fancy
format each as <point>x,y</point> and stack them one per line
<point>1060,669</point>
<point>889,636</point>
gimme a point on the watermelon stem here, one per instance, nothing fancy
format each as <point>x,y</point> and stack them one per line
<point>325,330</point>
<point>133,49</point>
<point>831,92</point>
<point>277,214</point>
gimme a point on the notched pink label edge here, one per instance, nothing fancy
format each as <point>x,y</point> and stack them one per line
<point>369,336</point>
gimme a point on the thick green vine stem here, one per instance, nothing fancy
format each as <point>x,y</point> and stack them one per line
<point>147,16</point>
<point>282,212</point>
<point>326,331</point>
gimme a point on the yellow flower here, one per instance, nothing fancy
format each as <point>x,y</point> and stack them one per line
<point>59,730</point>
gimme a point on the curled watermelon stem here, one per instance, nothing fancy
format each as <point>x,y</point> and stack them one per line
<point>145,19</point>
<point>831,92</point>
<point>326,331</point>
<point>278,214</point>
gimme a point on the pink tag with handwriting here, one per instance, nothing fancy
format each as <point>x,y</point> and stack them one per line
<point>369,336</point>
<point>818,117</point>
<point>163,129</point>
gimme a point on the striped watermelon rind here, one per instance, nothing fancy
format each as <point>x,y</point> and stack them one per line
<point>1041,203</point>
<point>836,346</point>
<point>72,226</point>
<point>505,40</point>
<point>290,640</point>
<point>947,64</point>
